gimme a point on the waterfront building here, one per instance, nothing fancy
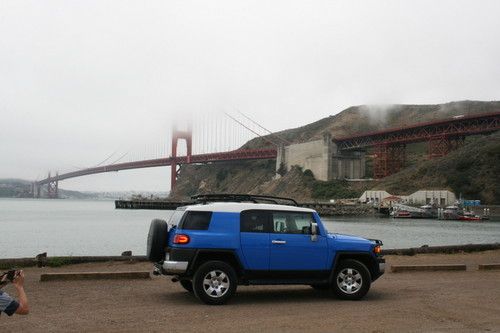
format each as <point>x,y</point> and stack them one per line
<point>421,197</point>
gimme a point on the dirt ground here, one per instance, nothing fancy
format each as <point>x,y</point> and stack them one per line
<point>398,302</point>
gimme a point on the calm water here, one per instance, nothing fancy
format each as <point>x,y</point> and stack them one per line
<point>67,227</point>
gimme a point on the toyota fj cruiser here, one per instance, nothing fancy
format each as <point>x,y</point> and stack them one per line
<point>229,240</point>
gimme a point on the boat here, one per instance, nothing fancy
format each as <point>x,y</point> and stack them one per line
<point>401,214</point>
<point>404,211</point>
<point>469,216</point>
<point>458,214</point>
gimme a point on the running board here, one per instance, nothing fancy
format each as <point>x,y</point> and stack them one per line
<point>287,281</point>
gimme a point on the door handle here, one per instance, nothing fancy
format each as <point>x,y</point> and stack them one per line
<point>274,241</point>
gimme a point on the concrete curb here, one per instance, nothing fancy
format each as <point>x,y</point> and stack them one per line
<point>442,249</point>
<point>93,276</point>
<point>484,267</point>
<point>69,260</point>
<point>432,268</point>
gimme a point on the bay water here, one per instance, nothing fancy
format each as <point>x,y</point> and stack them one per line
<point>84,227</point>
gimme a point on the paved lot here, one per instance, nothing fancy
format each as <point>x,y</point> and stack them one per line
<point>403,302</point>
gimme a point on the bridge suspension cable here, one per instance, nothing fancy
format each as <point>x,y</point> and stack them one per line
<point>117,160</point>
<point>251,130</point>
<point>265,129</point>
<point>106,159</point>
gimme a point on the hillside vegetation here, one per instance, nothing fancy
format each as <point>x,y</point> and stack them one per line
<point>223,177</point>
<point>258,177</point>
<point>15,188</point>
<point>471,170</point>
<point>20,188</point>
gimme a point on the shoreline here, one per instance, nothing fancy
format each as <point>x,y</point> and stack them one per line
<point>57,261</point>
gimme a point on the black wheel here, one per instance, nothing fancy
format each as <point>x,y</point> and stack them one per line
<point>321,287</point>
<point>186,284</point>
<point>214,282</point>
<point>351,280</point>
<point>157,240</point>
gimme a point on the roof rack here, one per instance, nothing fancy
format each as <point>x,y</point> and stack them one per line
<point>204,198</point>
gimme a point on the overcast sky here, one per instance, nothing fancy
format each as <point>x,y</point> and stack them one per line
<point>82,81</point>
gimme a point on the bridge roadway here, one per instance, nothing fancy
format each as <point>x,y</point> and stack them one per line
<point>242,154</point>
<point>446,128</point>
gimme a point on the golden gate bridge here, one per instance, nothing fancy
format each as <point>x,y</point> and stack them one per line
<point>389,146</point>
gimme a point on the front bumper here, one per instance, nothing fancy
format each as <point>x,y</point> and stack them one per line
<point>379,269</point>
<point>381,265</point>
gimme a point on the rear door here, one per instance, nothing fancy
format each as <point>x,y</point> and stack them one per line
<point>291,246</point>
<point>254,232</point>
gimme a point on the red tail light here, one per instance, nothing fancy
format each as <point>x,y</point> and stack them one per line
<point>181,239</point>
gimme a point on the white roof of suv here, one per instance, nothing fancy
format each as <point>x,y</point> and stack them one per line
<point>237,207</point>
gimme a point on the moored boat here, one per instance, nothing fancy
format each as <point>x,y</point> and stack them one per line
<point>458,214</point>
<point>469,218</point>
<point>402,214</point>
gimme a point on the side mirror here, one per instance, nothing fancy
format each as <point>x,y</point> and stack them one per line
<point>314,231</point>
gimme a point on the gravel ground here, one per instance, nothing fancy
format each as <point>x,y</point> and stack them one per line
<point>398,302</point>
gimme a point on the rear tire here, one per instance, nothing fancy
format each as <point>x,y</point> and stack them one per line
<point>186,284</point>
<point>157,240</point>
<point>215,282</point>
<point>351,280</point>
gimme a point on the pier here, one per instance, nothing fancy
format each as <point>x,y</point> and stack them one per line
<point>323,208</point>
<point>153,205</point>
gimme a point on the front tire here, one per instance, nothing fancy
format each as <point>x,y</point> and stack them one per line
<point>215,282</point>
<point>351,280</point>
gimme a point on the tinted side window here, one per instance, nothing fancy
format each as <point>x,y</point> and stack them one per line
<point>292,222</point>
<point>196,221</point>
<point>255,221</point>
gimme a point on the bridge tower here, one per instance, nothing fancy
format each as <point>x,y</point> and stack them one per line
<point>176,136</point>
<point>388,159</point>
<point>53,187</point>
<point>440,146</point>
<point>33,189</point>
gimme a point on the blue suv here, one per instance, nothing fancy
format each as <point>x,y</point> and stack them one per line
<point>215,245</point>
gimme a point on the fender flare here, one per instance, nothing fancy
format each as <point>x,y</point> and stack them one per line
<point>364,257</point>
<point>203,255</point>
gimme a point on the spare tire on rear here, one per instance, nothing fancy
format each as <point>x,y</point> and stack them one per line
<point>157,240</point>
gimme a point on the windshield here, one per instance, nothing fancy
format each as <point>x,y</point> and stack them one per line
<point>177,216</point>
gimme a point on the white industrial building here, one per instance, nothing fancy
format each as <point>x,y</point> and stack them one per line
<point>422,197</point>
<point>374,196</point>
